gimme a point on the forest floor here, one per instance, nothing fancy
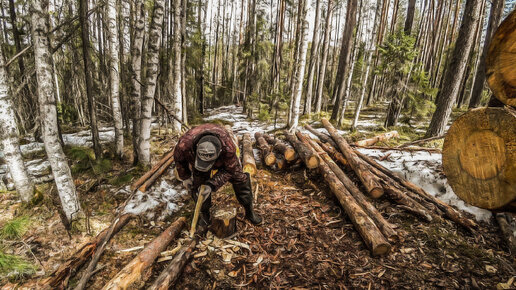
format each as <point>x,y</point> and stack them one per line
<point>306,240</point>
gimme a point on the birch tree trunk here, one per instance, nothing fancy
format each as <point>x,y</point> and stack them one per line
<point>154,44</point>
<point>136,79</point>
<point>175,69</point>
<point>9,140</point>
<point>300,72</point>
<point>115,77</point>
<point>452,81</point>
<point>48,111</point>
<point>324,58</point>
<point>313,61</point>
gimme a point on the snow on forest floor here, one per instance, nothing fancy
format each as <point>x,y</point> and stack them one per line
<point>422,168</point>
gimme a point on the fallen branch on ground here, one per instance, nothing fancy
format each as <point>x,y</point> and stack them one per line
<point>378,138</point>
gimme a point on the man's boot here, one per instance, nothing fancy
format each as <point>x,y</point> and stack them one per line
<point>244,194</point>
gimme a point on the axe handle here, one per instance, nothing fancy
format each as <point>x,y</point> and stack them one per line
<point>200,200</point>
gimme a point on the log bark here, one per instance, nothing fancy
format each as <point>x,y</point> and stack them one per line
<point>281,163</point>
<point>248,162</point>
<point>449,211</point>
<point>503,220</point>
<point>305,153</point>
<point>370,233</point>
<point>153,170</point>
<point>147,184</point>
<point>384,226</point>
<point>322,136</point>
<point>407,203</point>
<point>223,222</point>
<point>133,271</point>
<point>378,138</point>
<point>334,153</point>
<point>267,154</point>
<point>279,147</point>
<point>370,181</point>
<point>59,279</point>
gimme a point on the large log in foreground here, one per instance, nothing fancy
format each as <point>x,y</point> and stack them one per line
<point>248,162</point>
<point>59,279</point>
<point>378,138</point>
<point>479,158</point>
<point>289,154</point>
<point>386,227</point>
<point>370,181</point>
<point>133,271</point>
<point>305,153</point>
<point>370,233</point>
<point>268,156</point>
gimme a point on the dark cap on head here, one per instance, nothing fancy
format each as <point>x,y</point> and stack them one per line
<point>207,152</point>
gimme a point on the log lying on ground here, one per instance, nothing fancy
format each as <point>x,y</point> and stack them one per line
<point>133,271</point>
<point>504,223</point>
<point>378,138</point>
<point>370,181</point>
<point>266,150</point>
<point>59,279</point>
<point>370,233</point>
<point>281,163</point>
<point>386,227</point>
<point>449,211</point>
<point>325,138</point>
<point>479,158</point>
<point>305,153</point>
<point>334,153</point>
<point>409,149</point>
<point>289,154</point>
<point>147,184</point>
<point>153,170</point>
<point>248,162</point>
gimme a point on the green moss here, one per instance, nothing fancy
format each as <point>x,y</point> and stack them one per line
<point>15,228</point>
<point>15,267</point>
<point>121,179</point>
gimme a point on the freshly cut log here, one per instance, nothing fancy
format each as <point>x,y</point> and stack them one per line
<point>281,163</point>
<point>267,154</point>
<point>449,211</point>
<point>279,147</point>
<point>386,227</point>
<point>325,138</point>
<point>504,222</point>
<point>248,162</point>
<point>153,170</point>
<point>133,271</point>
<point>378,138</point>
<point>169,276</point>
<point>406,201</point>
<point>479,158</point>
<point>147,184</point>
<point>500,62</point>
<point>59,279</point>
<point>372,236</point>
<point>223,222</point>
<point>333,153</point>
<point>305,153</point>
<point>370,181</point>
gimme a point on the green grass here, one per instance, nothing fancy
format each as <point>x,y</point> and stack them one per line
<point>16,267</point>
<point>15,228</point>
<point>121,179</point>
<point>84,161</point>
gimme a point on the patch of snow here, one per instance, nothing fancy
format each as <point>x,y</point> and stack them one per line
<point>425,169</point>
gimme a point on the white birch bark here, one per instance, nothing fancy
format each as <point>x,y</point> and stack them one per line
<point>48,111</point>
<point>115,77</point>
<point>135,72</point>
<point>300,73</point>
<point>154,43</point>
<point>9,144</point>
<point>175,69</point>
<point>324,59</point>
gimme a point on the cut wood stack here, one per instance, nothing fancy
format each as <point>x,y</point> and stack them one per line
<point>267,155</point>
<point>284,151</point>
<point>305,153</point>
<point>248,162</point>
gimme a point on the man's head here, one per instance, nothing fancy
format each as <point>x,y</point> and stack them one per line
<point>208,150</point>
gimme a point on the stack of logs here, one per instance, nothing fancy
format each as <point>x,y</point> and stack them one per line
<point>333,157</point>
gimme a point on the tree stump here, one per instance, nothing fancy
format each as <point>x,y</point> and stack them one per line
<point>223,222</point>
<point>501,63</point>
<point>479,158</point>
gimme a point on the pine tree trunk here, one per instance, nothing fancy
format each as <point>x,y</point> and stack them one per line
<point>324,58</point>
<point>88,74</point>
<point>451,84</point>
<point>480,77</point>
<point>115,77</point>
<point>175,69</point>
<point>10,145</point>
<point>48,111</point>
<point>154,44</point>
<point>136,75</point>
<point>409,20</point>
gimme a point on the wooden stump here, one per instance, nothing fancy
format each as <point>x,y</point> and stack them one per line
<point>248,162</point>
<point>223,222</point>
<point>501,63</point>
<point>479,158</point>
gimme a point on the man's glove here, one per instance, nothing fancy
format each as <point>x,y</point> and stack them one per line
<point>205,191</point>
<point>187,183</point>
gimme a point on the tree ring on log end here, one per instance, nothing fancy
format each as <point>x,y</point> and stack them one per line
<point>479,157</point>
<point>501,62</point>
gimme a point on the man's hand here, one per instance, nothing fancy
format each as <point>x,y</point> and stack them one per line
<point>187,183</point>
<point>205,191</point>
